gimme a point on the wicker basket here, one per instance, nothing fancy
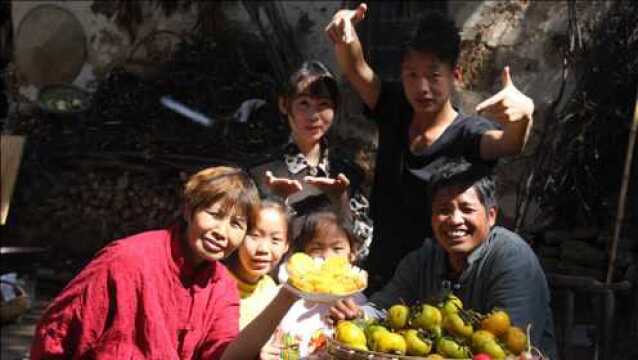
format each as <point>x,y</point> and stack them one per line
<point>11,310</point>
<point>340,351</point>
<point>343,352</point>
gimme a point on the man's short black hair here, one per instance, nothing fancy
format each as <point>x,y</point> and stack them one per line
<point>437,34</point>
<point>458,172</point>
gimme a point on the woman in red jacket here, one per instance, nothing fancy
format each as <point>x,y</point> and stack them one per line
<point>164,294</point>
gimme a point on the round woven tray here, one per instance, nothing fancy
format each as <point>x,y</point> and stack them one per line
<point>343,352</point>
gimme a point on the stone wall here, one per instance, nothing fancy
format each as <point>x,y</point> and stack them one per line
<point>520,33</point>
<point>530,37</point>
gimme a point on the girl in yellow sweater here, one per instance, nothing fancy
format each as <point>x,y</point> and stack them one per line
<point>257,256</point>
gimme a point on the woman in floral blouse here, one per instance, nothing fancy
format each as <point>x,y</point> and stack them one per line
<point>306,172</point>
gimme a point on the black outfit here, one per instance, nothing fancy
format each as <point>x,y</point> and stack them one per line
<point>400,207</point>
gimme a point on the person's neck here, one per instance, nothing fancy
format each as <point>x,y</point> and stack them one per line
<point>457,262</point>
<point>434,120</point>
<point>310,150</point>
<point>187,252</point>
<point>235,267</point>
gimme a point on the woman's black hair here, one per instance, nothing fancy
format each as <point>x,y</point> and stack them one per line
<point>323,82</point>
<point>319,219</point>
<point>435,33</point>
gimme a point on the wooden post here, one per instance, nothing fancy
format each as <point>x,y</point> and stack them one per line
<point>623,193</point>
<point>11,151</point>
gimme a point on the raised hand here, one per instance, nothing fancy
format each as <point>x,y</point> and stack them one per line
<point>332,187</point>
<point>509,104</point>
<point>341,28</point>
<point>282,186</point>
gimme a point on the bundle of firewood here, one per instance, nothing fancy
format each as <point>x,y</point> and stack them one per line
<point>87,210</point>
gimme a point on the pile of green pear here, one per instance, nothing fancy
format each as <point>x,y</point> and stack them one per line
<point>441,331</point>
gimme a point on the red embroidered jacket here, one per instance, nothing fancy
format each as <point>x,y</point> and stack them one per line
<point>139,299</point>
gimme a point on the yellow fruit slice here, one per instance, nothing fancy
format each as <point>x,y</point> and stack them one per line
<point>299,264</point>
<point>336,265</point>
<point>335,275</point>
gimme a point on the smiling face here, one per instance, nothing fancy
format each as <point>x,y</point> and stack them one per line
<point>264,245</point>
<point>213,232</point>
<point>309,115</point>
<point>460,221</point>
<point>427,81</point>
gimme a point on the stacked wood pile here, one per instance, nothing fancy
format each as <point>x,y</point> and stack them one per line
<point>118,168</point>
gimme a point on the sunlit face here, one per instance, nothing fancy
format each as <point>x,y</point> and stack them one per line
<point>264,245</point>
<point>460,221</point>
<point>329,241</point>
<point>309,117</point>
<point>427,81</point>
<point>213,233</point>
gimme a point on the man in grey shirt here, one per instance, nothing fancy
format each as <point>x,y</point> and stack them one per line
<point>486,266</point>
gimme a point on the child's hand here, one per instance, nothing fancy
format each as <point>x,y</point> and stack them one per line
<point>344,309</point>
<point>334,188</point>
<point>507,105</point>
<point>340,30</point>
<point>282,186</point>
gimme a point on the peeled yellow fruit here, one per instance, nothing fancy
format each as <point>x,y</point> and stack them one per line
<point>334,275</point>
<point>299,264</point>
<point>301,283</point>
<point>335,264</point>
<point>345,286</point>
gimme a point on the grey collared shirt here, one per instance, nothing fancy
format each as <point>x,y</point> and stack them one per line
<point>502,272</point>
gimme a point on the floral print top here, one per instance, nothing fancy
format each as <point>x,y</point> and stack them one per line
<point>295,166</point>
